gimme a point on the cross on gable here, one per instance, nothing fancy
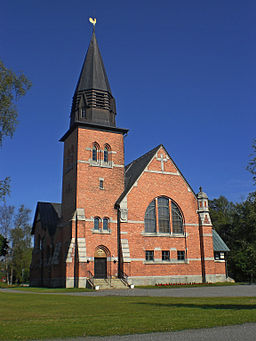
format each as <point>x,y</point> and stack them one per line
<point>162,160</point>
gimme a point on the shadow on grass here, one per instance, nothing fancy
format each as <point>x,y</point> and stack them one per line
<point>202,306</point>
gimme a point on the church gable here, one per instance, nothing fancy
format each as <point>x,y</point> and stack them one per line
<point>162,163</point>
<point>157,161</point>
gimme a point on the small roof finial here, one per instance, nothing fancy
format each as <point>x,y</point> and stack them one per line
<point>200,189</point>
<point>93,21</point>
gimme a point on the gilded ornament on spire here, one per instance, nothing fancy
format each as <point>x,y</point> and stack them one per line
<point>93,21</point>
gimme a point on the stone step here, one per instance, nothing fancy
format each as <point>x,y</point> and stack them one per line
<point>114,283</point>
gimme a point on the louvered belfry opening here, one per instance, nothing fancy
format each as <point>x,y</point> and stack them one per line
<point>93,102</point>
<point>98,99</point>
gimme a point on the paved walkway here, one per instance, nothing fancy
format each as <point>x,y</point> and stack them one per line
<point>222,291</point>
<point>243,332</point>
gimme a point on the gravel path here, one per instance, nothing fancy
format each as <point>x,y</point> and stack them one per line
<point>225,291</point>
<point>243,332</point>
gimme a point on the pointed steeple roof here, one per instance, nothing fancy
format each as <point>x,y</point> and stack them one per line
<point>93,105</point>
<point>93,74</point>
<point>93,102</point>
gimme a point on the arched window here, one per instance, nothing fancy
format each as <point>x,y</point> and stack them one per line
<point>177,220</point>
<point>83,112</point>
<point>95,149</point>
<point>150,218</point>
<point>107,153</point>
<point>163,215</point>
<point>105,224</point>
<point>96,223</point>
<point>169,220</point>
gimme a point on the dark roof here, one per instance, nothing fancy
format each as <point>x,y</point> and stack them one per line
<point>93,74</point>
<point>93,126</point>
<point>134,169</point>
<point>50,214</point>
<point>218,243</point>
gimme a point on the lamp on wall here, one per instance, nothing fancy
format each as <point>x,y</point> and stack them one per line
<point>88,261</point>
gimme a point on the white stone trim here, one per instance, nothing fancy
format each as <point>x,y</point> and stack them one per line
<point>135,222</point>
<point>161,172</point>
<point>69,256</point>
<point>125,251</point>
<point>188,224</point>
<point>168,235</point>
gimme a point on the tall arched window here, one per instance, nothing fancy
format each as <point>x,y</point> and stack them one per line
<point>105,224</point>
<point>95,149</point>
<point>106,153</point>
<point>163,215</point>
<point>177,220</point>
<point>150,218</point>
<point>96,223</point>
<point>169,220</point>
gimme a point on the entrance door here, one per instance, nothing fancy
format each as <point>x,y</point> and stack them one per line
<point>100,267</point>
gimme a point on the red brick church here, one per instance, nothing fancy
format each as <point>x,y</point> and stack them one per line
<point>137,224</point>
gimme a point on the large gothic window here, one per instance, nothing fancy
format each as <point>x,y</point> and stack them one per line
<point>177,221</point>
<point>150,218</point>
<point>169,219</point>
<point>163,215</point>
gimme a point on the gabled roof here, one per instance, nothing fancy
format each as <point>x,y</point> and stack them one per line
<point>218,243</point>
<point>93,74</point>
<point>49,214</point>
<point>134,169</point>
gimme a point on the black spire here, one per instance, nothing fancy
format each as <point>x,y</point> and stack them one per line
<point>93,101</point>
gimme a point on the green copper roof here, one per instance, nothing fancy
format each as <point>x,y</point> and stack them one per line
<point>218,243</point>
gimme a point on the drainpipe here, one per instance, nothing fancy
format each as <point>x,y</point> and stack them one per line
<point>118,241</point>
<point>75,256</point>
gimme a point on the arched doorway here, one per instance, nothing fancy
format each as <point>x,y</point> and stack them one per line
<point>100,261</point>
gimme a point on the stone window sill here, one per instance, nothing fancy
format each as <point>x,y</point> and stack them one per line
<point>219,260</point>
<point>164,262</point>
<point>170,235</point>
<point>101,163</point>
<point>101,231</point>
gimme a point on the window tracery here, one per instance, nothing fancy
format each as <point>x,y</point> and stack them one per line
<point>170,218</point>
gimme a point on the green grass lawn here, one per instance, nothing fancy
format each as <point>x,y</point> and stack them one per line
<point>30,316</point>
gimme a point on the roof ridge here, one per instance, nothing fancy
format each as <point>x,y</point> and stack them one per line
<point>140,157</point>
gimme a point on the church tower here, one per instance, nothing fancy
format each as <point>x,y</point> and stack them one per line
<point>93,175</point>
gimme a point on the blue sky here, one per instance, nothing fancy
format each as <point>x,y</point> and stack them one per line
<point>183,74</point>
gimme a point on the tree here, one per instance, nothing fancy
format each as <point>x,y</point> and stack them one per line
<point>21,249</point>
<point>16,229</point>
<point>252,163</point>
<point>236,224</point>
<point>6,223</point>
<point>3,246</point>
<point>12,87</point>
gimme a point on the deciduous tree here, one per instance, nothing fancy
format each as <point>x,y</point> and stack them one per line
<point>12,87</point>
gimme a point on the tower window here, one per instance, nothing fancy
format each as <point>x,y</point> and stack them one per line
<point>107,153</point>
<point>105,224</point>
<point>101,184</point>
<point>83,112</point>
<point>96,223</point>
<point>95,149</point>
